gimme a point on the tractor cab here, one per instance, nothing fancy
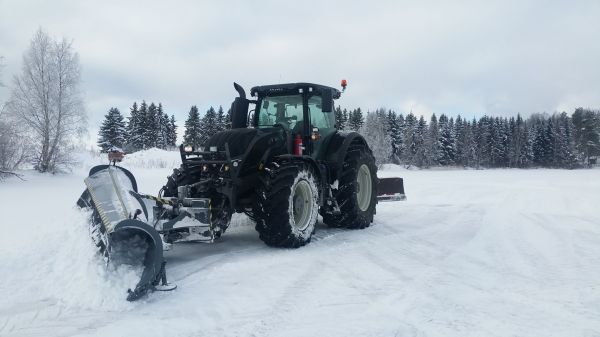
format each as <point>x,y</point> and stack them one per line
<point>303,110</point>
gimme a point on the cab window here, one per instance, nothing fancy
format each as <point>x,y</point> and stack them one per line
<point>283,110</point>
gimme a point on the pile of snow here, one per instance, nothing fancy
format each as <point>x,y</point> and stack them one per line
<point>153,158</point>
<point>145,159</point>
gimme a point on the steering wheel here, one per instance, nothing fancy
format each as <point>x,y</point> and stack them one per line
<point>280,125</point>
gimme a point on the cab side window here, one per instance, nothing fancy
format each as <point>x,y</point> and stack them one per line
<point>318,118</point>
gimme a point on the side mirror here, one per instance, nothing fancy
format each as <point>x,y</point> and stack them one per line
<point>327,101</point>
<point>239,113</point>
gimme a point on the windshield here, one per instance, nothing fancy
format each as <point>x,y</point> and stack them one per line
<point>286,111</point>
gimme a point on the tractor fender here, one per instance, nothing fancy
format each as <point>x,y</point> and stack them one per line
<point>315,166</point>
<point>337,149</point>
<point>307,159</point>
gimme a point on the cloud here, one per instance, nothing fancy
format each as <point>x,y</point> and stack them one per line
<point>467,57</point>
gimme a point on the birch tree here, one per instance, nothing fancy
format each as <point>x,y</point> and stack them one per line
<point>46,98</point>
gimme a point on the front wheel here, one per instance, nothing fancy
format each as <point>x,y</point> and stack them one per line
<point>287,205</point>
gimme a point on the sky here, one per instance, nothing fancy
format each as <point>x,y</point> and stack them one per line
<point>455,57</point>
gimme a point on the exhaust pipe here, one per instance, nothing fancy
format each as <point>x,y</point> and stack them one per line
<point>120,226</point>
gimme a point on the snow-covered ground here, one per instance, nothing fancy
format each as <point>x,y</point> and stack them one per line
<point>470,253</point>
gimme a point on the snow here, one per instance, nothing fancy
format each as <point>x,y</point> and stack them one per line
<point>470,253</point>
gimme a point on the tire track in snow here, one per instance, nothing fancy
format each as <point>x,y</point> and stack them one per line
<point>289,301</point>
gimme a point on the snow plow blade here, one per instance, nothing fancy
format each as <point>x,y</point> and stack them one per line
<point>119,225</point>
<point>391,189</point>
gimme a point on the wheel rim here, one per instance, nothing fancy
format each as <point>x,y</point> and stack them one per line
<point>364,187</point>
<point>302,204</point>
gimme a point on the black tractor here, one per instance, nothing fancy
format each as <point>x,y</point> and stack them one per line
<point>282,163</point>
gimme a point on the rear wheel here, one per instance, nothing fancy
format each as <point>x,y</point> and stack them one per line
<point>287,205</point>
<point>356,194</point>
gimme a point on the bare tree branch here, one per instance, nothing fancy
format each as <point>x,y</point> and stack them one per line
<point>9,173</point>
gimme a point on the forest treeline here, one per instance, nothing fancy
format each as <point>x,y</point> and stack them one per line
<point>540,140</point>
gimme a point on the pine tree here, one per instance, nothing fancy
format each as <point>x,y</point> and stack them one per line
<point>172,134</point>
<point>162,128</point>
<point>339,118</point>
<point>587,132</point>
<point>355,120</point>
<point>135,128</point>
<point>420,148</point>
<point>345,118</point>
<point>410,139</point>
<point>150,133</point>
<point>193,135</point>
<point>433,142</point>
<point>399,138</point>
<point>142,126</point>
<point>228,120</point>
<point>395,136</point>
<point>565,148</point>
<point>113,131</point>
<point>208,125</point>
<point>526,154</point>
<point>461,146</point>
<point>221,119</point>
<point>446,141</point>
<point>543,143</point>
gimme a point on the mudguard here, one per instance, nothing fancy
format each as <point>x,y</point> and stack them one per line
<point>337,148</point>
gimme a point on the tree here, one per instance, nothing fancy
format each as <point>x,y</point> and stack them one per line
<point>162,128</point>
<point>421,156</point>
<point>446,141</point>
<point>395,136</point>
<point>47,100</point>
<point>192,133</point>
<point>209,125</point>
<point>13,140</point>
<point>355,120</point>
<point>150,123</point>
<point>221,119</point>
<point>410,141</point>
<point>341,118</point>
<point>113,130</point>
<point>375,132</point>
<point>587,132</point>
<point>433,142</point>
<point>228,119</point>
<point>172,134</point>
<point>135,128</point>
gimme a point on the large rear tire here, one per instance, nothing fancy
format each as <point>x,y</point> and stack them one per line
<point>287,205</point>
<point>356,194</point>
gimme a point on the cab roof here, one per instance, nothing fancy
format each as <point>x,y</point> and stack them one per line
<point>291,88</point>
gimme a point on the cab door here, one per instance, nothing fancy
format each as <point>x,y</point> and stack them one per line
<point>321,126</point>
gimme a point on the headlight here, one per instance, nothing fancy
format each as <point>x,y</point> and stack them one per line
<point>226,168</point>
<point>188,148</point>
<point>204,168</point>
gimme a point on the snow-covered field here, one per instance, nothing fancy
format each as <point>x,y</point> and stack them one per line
<point>470,253</point>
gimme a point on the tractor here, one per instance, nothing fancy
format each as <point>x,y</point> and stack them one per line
<point>282,163</point>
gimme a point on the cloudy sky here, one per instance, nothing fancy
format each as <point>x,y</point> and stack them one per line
<point>467,57</point>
